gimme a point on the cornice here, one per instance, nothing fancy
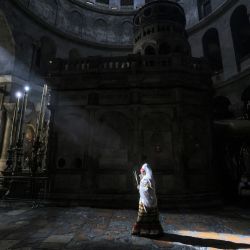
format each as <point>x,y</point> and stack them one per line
<point>219,11</point>
<point>68,36</point>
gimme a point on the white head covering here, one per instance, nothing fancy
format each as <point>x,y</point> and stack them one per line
<point>147,188</point>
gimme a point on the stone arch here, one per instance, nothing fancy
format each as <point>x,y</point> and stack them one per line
<point>149,50</point>
<point>240,28</point>
<point>212,49</point>
<point>46,9</point>
<point>100,30</point>
<point>7,46</point>
<point>76,22</point>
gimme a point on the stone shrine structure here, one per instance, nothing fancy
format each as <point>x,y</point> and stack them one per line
<point>109,112</point>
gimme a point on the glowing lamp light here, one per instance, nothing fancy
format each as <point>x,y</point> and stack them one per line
<point>26,88</point>
<point>18,94</point>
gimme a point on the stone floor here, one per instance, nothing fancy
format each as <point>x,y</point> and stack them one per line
<point>23,227</point>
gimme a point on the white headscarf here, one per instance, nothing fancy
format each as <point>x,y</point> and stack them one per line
<point>147,188</point>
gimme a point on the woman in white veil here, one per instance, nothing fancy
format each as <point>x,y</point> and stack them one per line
<point>147,223</point>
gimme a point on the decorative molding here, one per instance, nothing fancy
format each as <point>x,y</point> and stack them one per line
<point>66,35</point>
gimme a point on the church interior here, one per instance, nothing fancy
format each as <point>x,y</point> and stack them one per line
<point>90,90</point>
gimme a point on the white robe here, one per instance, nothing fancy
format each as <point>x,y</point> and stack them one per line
<point>147,188</point>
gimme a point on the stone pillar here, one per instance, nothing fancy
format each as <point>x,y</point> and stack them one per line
<point>10,107</point>
<point>227,51</point>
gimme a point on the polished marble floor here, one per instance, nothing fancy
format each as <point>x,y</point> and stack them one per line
<point>24,227</point>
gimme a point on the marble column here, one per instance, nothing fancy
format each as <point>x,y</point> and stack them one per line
<point>10,107</point>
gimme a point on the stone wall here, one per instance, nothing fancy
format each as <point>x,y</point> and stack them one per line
<point>231,82</point>
<point>108,112</point>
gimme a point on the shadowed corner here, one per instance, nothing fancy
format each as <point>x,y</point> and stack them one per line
<point>201,242</point>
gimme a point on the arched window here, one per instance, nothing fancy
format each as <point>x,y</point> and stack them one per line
<point>149,50</point>
<point>76,22</point>
<point>240,28</point>
<point>164,49</point>
<point>101,30</point>
<point>212,50</point>
<point>127,2</point>
<point>204,8</point>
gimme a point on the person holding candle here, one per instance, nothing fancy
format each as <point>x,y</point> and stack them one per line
<point>147,223</point>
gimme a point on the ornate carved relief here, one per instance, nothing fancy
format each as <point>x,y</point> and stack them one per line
<point>76,23</point>
<point>127,31</point>
<point>100,29</point>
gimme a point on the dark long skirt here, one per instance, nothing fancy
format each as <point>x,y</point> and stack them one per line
<point>147,223</point>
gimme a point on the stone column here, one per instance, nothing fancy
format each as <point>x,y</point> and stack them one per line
<point>10,107</point>
<point>227,50</point>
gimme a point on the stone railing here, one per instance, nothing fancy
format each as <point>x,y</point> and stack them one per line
<point>128,63</point>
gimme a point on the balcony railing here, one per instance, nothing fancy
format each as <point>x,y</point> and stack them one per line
<point>130,63</point>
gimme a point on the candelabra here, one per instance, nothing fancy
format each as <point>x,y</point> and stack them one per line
<point>19,144</point>
<point>39,147</point>
<point>11,150</point>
